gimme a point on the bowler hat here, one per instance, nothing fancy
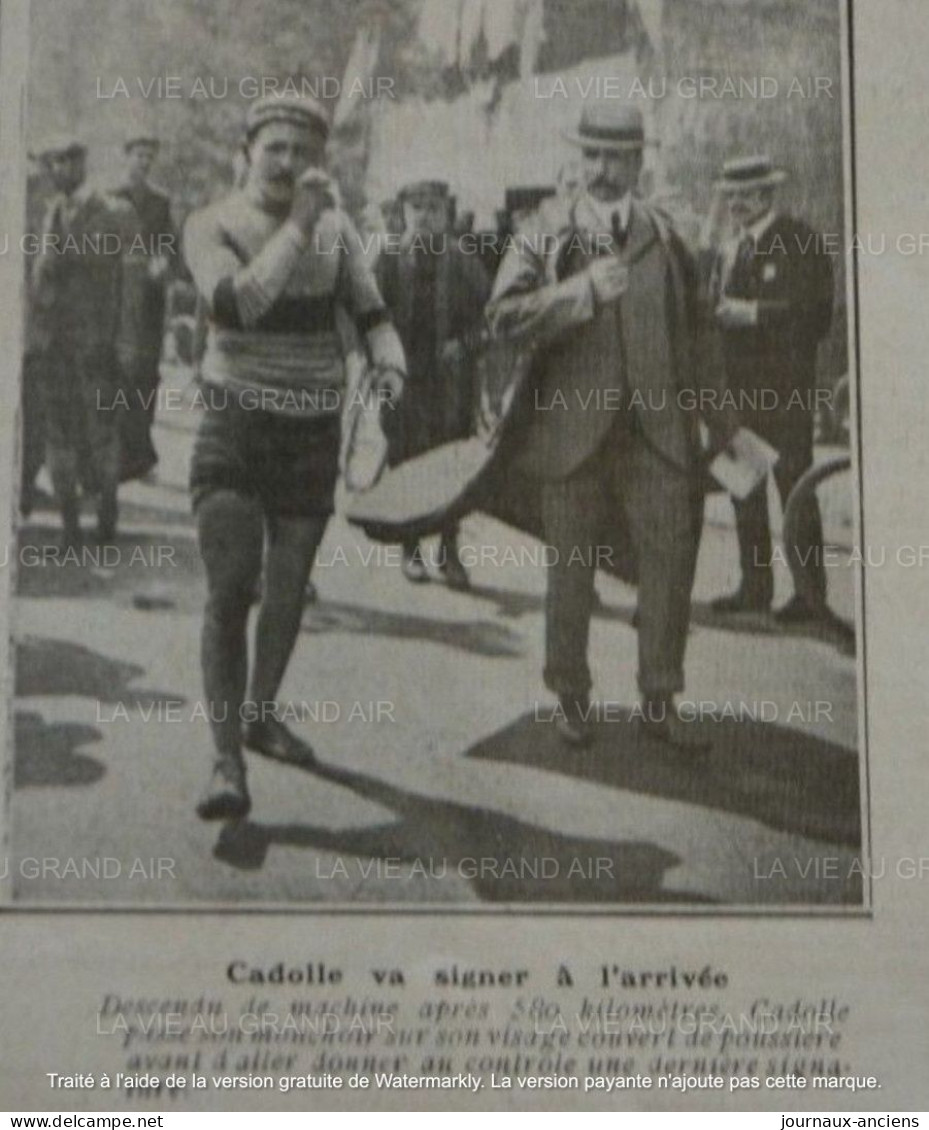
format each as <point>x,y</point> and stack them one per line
<point>526,198</point>
<point>617,126</point>
<point>742,173</point>
<point>58,145</point>
<point>297,109</point>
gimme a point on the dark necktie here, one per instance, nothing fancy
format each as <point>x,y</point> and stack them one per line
<point>741,277</point>
<point>620,233</point>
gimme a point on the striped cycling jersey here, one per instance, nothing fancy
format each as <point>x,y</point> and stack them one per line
<point>274,296</point>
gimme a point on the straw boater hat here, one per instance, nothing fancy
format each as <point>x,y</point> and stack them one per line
<point>296,109</point>
<point>610,125</point>
<point>748,173</point>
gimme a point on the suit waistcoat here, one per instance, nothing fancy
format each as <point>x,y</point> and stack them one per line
<point>632,360</point>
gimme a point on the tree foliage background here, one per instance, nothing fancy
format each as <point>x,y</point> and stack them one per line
<point>80,50</point>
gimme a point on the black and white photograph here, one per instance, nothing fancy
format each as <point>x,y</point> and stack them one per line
<point>438,482</point>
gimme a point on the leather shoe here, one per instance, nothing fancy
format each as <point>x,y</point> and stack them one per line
<point>661,721</point>
<point>271,738</point>
<point>740,601</point>
<point>225,796</point>
<point>573,721</point>
<point>797,611</point>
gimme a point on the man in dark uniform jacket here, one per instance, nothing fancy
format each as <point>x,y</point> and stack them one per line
<point>771,293</point>
<point>436,295</point>
<point>152,260</point>
<point>75,313</point>
<point>606,292</point>
<point>31,400</point>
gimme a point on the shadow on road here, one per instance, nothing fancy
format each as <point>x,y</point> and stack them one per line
<point>45,754</point>
<point>476,637</point>
<point>512,604</point>
<point>778,775</point>
<point>781,777</point>
<point>59,667</point>
<point>129,565</point>
<point>543,866</point>
<point>831,629</point>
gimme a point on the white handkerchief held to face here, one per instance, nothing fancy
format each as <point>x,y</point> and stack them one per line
<point>744,464</point>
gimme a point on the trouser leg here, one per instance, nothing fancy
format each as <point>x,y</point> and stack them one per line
<point>754,533</point>
<point>805,558</point>
<point>62,424</point>
<point>106,466</point>
<point>62,462</point>
<point>572,511</point>
<point>137,453</point>
<point>664,522</point>
<point>151,401</point>
<point>33,428</point>
<point>100,431</point>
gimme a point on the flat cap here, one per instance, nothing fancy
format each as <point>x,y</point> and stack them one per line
<point>140,137</point>
<point>424,188</point>
<point>297,109</point>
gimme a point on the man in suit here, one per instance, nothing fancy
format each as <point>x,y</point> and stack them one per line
<point>32,409</point>
<point>75,317</point>
<point>436,295</point>
<point>771,294</point>
<point>606,291</point>
<point>149,267</point>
